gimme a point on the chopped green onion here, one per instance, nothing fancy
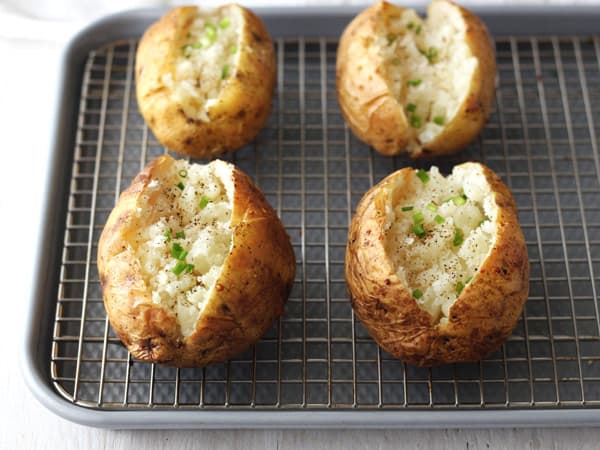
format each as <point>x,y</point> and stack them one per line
<point>460,200</point>
<point>167,234</point>
<point>415,121</point>
<point>431,207</point>
<point>180,235</point>
<point>183,255</point>
<point>459,287</point>
<point>391,37</point>
<point>423,176</point>
<point>418,230</point>
<point>411,107</point>
<point>417,293</point>
<point>210,31</point>
<point>414,82</point>
<point>431,54</point>
<point>183,173</point>
<point>458,237</point>
<point>233,50</point>
<point>189,267</point>
<point>439,120</point>
<point>418,217</point>
<point>480,223</point>
<point>176,251</point>
<point>407,208</point>
<point>179,267</point>
<point>439,219</point>
<point>224,23</point>
<point>418,30</point>
<point>224,71</point>
<point>196,45</point>
<point>468,280</point>
<point>180,185</point>
<point>204,201</point>
<point>410,25</point>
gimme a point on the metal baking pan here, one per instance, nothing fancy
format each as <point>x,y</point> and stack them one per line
<point>317,367</point>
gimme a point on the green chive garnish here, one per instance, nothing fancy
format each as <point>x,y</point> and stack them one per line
<point>167,234</point>
<point>410,25</point>
<point>204,201</point>
<point>423,176</point>
<point>197,45</point>
<point>391,37</point>
<point>468,280</point>
<point>439,219</point>
<point>458,237</point>
<point>460,200</point>
<point>180,235</point>
<point>418,217</point>
<point>459,287</point>
<point>189,268</point>
<point>415,121</point>
<point>417,293</point>
<point>418,230</point>
<point>210,31</point>
<point>179,267</point>
<point>414,82</point>
<point>411,107</point>
<point>407,208</point>
<point>431,54</point>
<point>224,71</point>
<point>180,185</point>
<point>224,23</point>
<point>418,30</point>
<point>182,255</point>
<point>233,49</point>
<point>183,173</point>
<point>431,207</point>
<point>438,120</point>
<point>176,251</point>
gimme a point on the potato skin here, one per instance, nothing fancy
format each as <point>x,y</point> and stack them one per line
<point>482,317</point>
<point>377,117</point>
<point>244,103</point>
<point>249,295</point>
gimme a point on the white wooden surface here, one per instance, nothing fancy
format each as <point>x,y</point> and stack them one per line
<point>29,51</point>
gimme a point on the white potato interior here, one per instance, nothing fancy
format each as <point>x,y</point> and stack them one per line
<point>207,61</point>
<point>193,205</point>
<point>429,67</point>
<point>440,232</point>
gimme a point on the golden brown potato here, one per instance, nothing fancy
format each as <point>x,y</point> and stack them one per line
<point>437,268</point>
<point>421,86</point>
<point>194,264</point>
<point>204,80</point>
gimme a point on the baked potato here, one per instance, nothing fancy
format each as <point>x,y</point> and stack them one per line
<point>436,266</point>
<point>194,264</point>
<point>424,87</point>
<point>205,79</point>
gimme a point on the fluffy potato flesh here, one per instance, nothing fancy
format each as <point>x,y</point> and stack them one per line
<point>440,231</point>
<point>181,254</point>
<point>207,59</point>
<point>194,263</point>
<point>429,67</point>
<point>437,267</point>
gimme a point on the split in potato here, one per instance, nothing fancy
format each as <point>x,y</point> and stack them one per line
<point>437,267</point>
<point>194,263</point>
<point>421,86</point>
<point>205,79</point>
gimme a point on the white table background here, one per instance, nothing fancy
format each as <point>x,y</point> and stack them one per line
<point>30,49</point>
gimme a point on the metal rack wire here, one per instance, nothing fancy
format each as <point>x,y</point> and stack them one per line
<point>541,139</point>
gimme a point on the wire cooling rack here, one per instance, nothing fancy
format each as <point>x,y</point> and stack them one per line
<point>541,139</point>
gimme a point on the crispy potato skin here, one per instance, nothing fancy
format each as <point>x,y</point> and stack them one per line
<point>244,103</point>
<point>377,117</point>
<point>249,295</point>
<point>480,320</point>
